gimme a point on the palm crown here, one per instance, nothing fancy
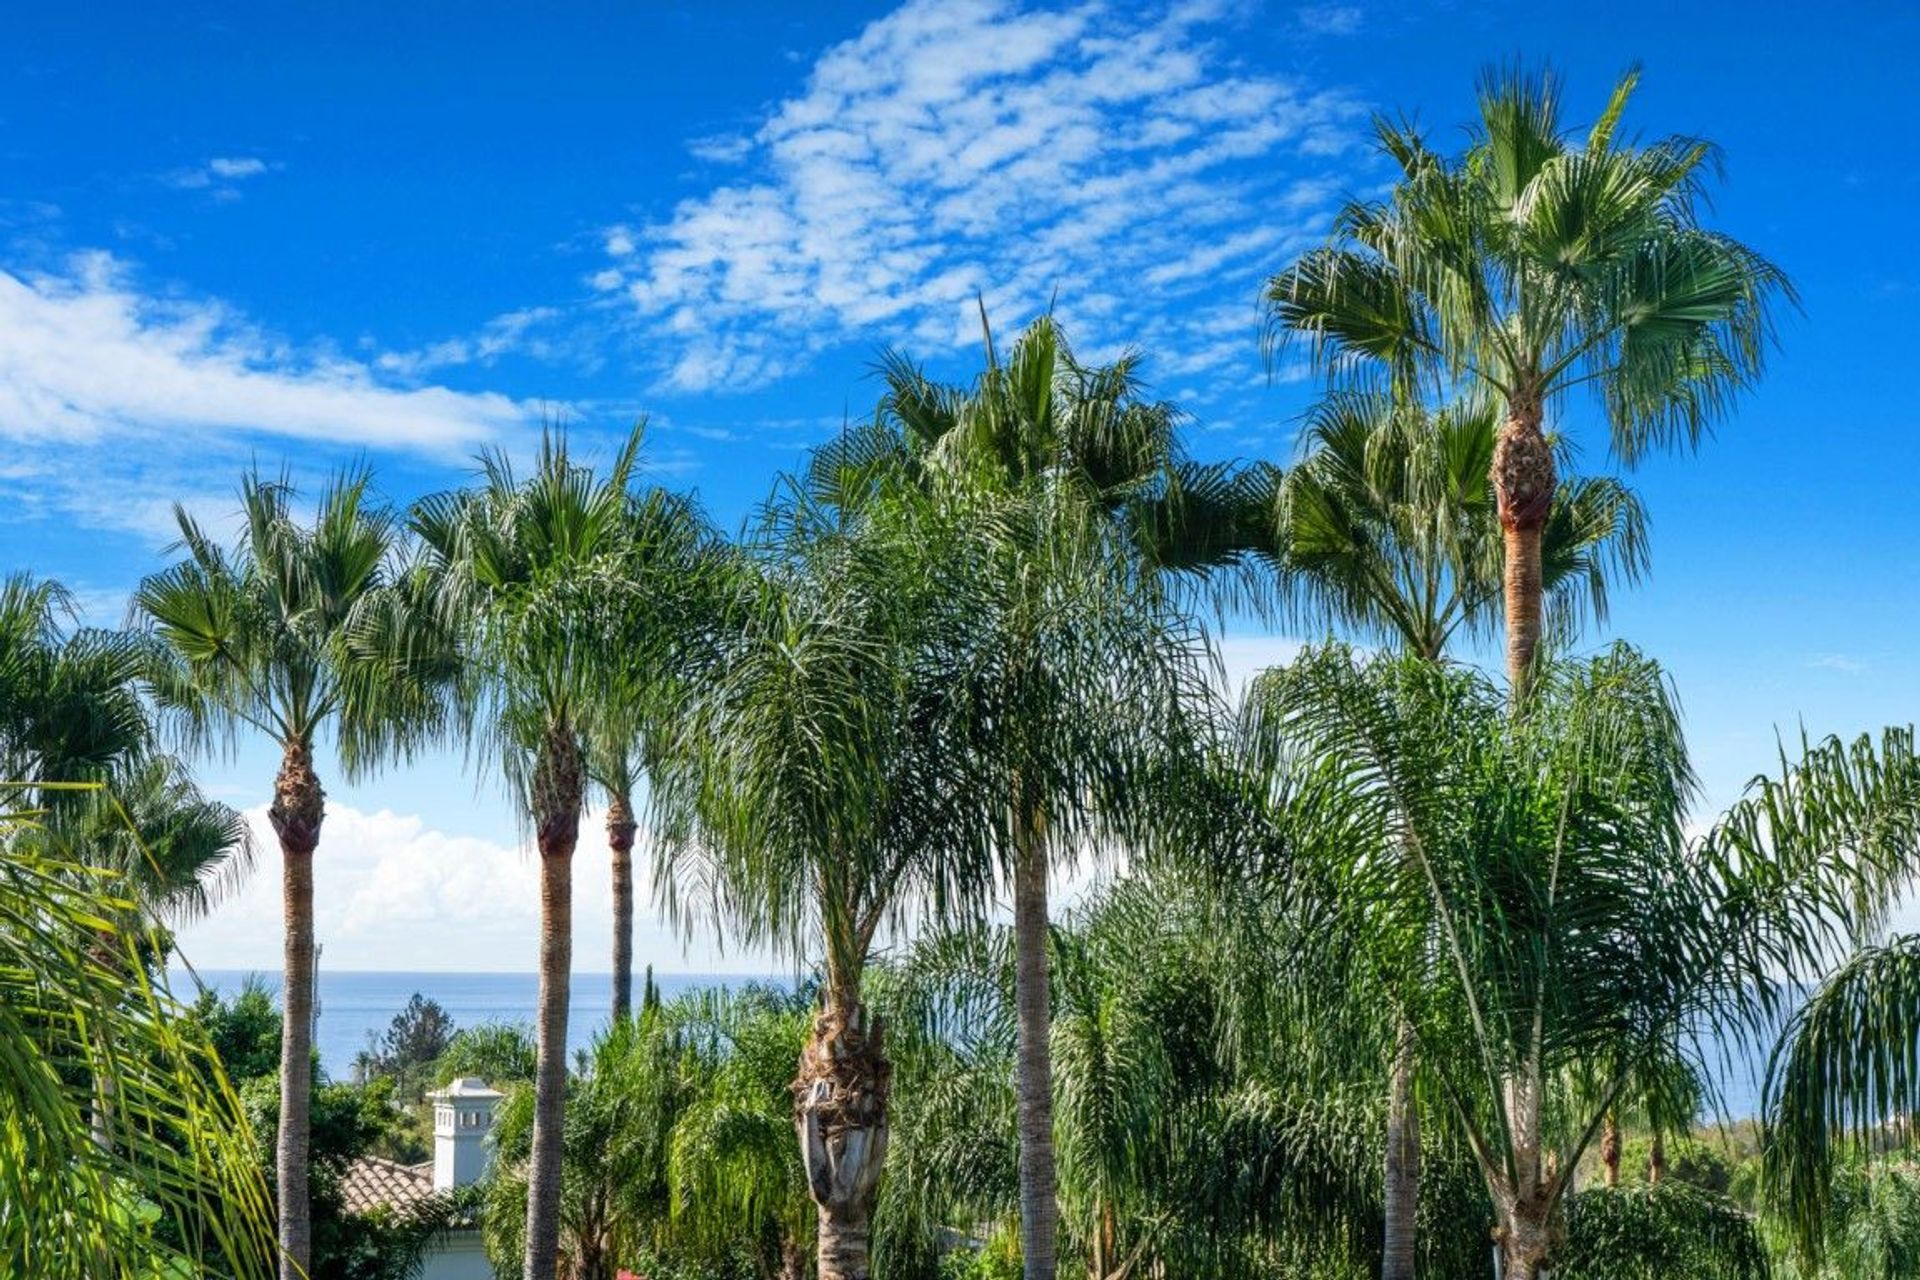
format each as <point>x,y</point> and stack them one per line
<point>1387,525</point>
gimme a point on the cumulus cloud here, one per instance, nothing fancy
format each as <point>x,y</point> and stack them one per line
<point>966,147</point>
<point>391,892</point>
<point>86,357</point>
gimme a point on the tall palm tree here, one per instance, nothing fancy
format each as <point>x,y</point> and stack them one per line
<point>563,587</point>
<point>611,764</point>
<point>1582,938</point>
<point>833,798</point>
<point>1529,268</point>
<point>1387,526</point>
<point>297,632</point>
<point>1080,486</point>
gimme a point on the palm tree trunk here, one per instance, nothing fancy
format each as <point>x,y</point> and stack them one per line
<point>1524,1204</point>
<point>1610,1149</point>
<point>621,829</point>
<point>1039,1206</point>
<point>840,1116</point>
<point>298,807</point>
<point>1403,1163</point>
<point>556,804</point>
<point>1523,485</point>
<point>1656,1160</point>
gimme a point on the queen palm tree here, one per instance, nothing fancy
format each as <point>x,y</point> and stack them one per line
<point>85,1187</point>
<point>1087,503</point>
<point>1532,267</point>
<point>831,797</point>
<point>297,632</point>
<point>1582,938</point>
<point>1387,526</point>
<point>565,588</point>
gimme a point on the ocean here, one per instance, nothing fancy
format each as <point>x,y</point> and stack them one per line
<point>356,1005</point>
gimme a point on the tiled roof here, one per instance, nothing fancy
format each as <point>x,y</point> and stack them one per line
<point>372,1182</point>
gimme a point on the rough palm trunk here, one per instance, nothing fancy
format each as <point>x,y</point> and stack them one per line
<point>1039,1206</point>
<point>621,829</point>
<point>556,813</point>
<point>1656,1160</point>
<point>1610,1149</point>
<point>840,1117</point>
<point>1524,1201</point>
<point>1523,485</point>
<point>1403,1163</point>
<point>298,807</point>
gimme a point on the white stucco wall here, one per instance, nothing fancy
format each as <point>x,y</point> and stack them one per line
<point>459,1257</point>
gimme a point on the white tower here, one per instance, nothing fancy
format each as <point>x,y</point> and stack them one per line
<point>462,1125</point>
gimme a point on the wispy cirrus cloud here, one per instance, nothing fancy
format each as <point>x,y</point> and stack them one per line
<point>1122,161</point>
<point>512,332</point>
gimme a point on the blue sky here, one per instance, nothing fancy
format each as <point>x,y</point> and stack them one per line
<point>301,235</point>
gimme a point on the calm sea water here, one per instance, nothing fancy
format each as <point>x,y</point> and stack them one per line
<point>354,1005</point>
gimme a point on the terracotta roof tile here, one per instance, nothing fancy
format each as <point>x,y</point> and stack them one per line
<point>371,1182</point>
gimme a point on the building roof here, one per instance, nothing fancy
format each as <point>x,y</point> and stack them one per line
<point>371,1182</point>
<point>467,1087</point>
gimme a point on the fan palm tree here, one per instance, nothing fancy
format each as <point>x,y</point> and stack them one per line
<point>1531,267</point>
<point>1086,502</point>
<point>832,797</point>
<point>1582,940</point>
<point>565,589</point>
<point>611,763</point>
<point>297,632</point>
<point>1387,526</point>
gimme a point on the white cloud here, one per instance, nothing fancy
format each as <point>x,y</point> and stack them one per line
<point>978,147</point>
<point>86,358</point>
<point>220,177</point>
<point>510,332</point>
<point>1330,19</point>
<point>1841,662</point>
<point>391,892</point>
<point>721,148</point>
<point>236,166</point>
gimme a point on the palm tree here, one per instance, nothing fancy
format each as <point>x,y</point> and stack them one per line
<point>676,635</point>
<point>832,798</point>
<point>1528,268</point>
<point>611,763</point>
<point>70,708</point>
<point>85,1187</point>
<point>1582,940</point>
<point>1085,501</point>
<point>296,632</point>
<point>737,1175</point>
<point>1387,526</point>
<point>564,589</point>
<point>635,1082</point>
